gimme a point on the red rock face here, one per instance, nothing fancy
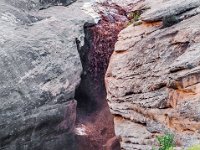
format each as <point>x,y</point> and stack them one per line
<point>99,45</point>
<point>104,38</point>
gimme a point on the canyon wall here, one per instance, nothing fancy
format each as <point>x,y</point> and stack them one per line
<point>53,59</point>
<point>51,55</point>
<point>40,70</point>
<point>153,77</point>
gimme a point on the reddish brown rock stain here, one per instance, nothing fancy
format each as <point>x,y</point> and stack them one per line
<point>99,124</point>
<point>103,46</point>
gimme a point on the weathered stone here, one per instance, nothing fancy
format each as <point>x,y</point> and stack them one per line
<point>159,9</point>
<point>153,79</point>
<point>38,4</point>
<point>40,70</point>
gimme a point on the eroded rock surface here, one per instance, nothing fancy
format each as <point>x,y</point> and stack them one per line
<point>153,76</point>
<point>38,4</point>
<point>100,39</point>
<point>40,69</point>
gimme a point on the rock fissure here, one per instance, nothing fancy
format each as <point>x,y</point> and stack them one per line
<point>54,55</point>
<point>93,110</point>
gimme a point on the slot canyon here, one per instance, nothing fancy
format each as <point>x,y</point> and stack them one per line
<point>99,74</point>
<point>93,111</point>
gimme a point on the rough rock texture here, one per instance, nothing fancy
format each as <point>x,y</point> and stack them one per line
<point>40,69</point>
<point>113,144</point>
<point>37,4</point>
<point>100,40</point>
<point>94,116</point>
<point>159,9</point>
<point>154,74</point>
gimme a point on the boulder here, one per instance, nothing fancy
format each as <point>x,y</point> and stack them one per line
<point>40,70</point>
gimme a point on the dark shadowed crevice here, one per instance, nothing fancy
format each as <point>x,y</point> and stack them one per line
<point>92,108</point>
<point>86,90</point>
<point>95,54</point>
<point>91,90</point>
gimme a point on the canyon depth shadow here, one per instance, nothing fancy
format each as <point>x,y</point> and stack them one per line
<point>91,93</point>
<point>92,106</point>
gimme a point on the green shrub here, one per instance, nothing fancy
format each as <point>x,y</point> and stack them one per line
<point>166,142</point>
<point>134,16</point>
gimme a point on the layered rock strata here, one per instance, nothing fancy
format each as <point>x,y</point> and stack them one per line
<point>153,77</point>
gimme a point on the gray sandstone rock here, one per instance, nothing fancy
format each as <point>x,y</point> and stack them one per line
<point>38,4</point>
<point>40,70</point>
<point>160,9</point>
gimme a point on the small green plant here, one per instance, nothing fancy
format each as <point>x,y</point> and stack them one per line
<point>195,147</point>
<point>134,16</point>
<point>166,142</point>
